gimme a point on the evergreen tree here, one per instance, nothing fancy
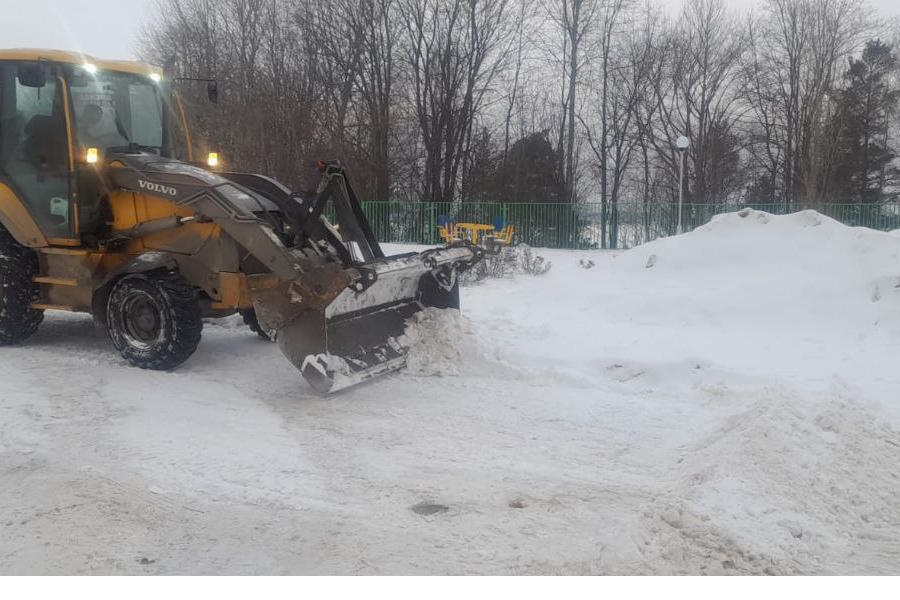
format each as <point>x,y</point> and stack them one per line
<point>530,172</point>
<point>863,170</point>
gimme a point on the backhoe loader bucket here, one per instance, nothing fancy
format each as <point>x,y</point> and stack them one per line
<point>347,327</point>
<point>341,324</point>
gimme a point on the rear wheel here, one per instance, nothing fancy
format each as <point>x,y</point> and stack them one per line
<point>18,264</point>
<point>252,323</point>
<point>154,320</point>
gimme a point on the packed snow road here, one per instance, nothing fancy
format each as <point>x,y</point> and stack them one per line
<point>727,401</point>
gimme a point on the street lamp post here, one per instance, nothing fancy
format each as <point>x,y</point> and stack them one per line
<point>681,143</point>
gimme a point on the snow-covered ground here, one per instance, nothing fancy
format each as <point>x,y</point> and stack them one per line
<point>727,401</point>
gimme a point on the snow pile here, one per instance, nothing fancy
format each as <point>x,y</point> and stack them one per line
<point>804,263</point>
<point>441,342</point>
<point>749,289</point>
<point>789,484</point>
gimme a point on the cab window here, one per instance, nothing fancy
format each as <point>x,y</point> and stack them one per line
<point>113,110</point>
<point>34,157</point>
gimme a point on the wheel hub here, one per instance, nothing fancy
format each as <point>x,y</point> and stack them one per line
<point>142,319</point>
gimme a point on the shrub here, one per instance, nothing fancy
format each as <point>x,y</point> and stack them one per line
<point>508,262</point>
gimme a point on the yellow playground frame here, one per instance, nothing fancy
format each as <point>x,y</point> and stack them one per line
<point>499,232</point>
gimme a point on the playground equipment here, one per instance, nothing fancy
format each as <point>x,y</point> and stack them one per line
<point>496,235</point>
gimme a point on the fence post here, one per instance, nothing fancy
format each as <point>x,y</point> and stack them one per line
<point>432,225</point>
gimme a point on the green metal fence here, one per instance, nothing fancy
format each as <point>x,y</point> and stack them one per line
<point>586,225</point>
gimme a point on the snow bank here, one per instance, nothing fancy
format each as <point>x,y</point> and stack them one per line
<point>749,289</point>
<point>806,263</point>
<point>777,336</point>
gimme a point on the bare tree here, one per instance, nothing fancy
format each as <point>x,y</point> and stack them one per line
<point>454,49</point>
<point>520,50</point>
<point>574,21</point>
<point>797,47</point>
<point>616,105</point>
<point>377,20</point>
<point>701,100</point>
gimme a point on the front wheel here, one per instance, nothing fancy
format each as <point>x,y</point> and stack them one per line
<point>154,320</point>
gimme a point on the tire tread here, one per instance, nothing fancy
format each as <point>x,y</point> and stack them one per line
<point>250,320</point>
<point>183,309</point>
<point>18,264</point>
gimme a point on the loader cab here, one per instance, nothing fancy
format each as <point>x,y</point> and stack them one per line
<point>52,113</point>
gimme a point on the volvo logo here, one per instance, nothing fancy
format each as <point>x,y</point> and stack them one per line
<point>157,187</point>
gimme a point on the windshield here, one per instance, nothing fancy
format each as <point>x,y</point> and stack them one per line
<point>117,109</point>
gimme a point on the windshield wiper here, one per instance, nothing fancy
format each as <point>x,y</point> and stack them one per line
<point>121,129</point>
<point>134,148</point>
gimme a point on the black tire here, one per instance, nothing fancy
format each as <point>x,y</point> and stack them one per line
<point>154,320</point>
<point>18,264</point>
<point>252,322</point>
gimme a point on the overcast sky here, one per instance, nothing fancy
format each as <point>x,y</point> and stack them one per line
<point>110,28</point>
<point>104,28</point>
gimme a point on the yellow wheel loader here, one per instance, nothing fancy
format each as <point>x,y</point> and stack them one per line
<point>104,211</point>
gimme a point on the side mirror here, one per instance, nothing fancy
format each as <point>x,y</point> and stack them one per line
<point>212,92</point>
<point>32,75</point>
